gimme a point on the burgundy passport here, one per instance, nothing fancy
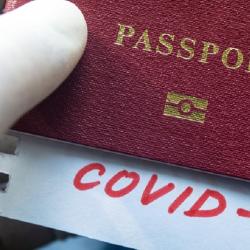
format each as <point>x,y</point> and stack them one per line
<point>164,80</point>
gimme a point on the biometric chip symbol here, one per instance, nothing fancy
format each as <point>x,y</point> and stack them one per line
<point>185,107</point>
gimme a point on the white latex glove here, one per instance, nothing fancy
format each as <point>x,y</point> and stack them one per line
<point>40,44</point>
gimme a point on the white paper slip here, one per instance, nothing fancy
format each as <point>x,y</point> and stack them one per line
<point>123,200</point>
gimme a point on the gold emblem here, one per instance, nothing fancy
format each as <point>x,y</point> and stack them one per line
<point>186,107</point>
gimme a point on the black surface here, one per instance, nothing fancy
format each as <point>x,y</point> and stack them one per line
<point>2,4</point>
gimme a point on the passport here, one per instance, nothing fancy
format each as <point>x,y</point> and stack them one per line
<point>163,80</point>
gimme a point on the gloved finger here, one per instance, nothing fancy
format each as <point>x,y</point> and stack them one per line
<point>41,42</point>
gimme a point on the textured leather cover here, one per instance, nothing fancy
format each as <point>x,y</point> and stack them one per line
<point>164,80</point>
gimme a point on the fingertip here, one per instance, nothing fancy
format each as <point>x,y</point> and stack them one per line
<point>42,43</point>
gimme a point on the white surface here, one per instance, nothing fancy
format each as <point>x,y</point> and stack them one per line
<point>41,191</point>
<point>76,243</point>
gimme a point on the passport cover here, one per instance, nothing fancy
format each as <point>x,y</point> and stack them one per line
<point>163,80</point>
